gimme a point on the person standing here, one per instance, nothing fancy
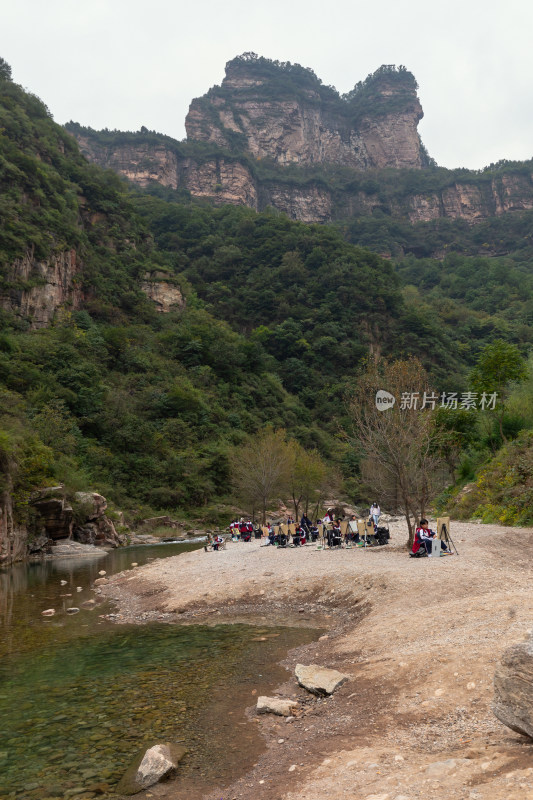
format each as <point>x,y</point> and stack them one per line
<point>306,524</point>
<point>375,513</point>
<point>329,516</point>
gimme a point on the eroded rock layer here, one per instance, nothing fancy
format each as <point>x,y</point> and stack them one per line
<point>284,113</point>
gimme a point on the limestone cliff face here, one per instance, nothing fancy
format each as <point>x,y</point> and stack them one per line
<point>39,288</point>
<point>475,203</point>
<point>52,522</point>
<point>273,135</point>
<point>13,536</point>
<point>285,114</point>
<point>222,179</point>
<point>166,295</point>
<point>472,202</point>
<point>143,163</point>
<point>225,179</point>
<point>309,203</point>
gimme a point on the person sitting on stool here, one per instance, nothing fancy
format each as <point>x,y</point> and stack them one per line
<point>424,537</point>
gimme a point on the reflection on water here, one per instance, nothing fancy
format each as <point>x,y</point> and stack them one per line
<point>80,696</point>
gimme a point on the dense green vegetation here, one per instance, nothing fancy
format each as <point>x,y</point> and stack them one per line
<point>503,490</point>
<point>313,301</point>
<point>147,413</point>
<point>146,407</point>
<point>52,200</point>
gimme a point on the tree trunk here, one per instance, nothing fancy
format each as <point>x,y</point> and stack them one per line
<point>500,422</point>
<point>411,530</point>
<point>296,504</point>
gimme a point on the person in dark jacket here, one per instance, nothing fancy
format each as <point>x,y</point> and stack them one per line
<point>306,523</point>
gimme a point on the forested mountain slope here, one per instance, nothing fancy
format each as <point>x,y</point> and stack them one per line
<point>267,322</point>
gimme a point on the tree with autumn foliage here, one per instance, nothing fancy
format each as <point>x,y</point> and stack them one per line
<point>401,461</point>
<point>308,476</point>
<point>261,469</point>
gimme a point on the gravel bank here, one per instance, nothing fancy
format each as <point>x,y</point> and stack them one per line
<point>420,637</point>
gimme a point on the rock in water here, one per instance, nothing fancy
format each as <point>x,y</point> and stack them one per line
<point>275,705</point>
<point>150,766</point>
<point>513,687</point>
<point>49,612</point>
<point>72,610</point>
<point>319,680</point>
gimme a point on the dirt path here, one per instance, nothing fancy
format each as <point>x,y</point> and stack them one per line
<point>420,638</point>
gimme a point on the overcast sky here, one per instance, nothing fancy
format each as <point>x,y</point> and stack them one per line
<point>126,63</point>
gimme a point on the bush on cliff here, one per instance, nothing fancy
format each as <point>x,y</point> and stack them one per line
<point>503,491</point>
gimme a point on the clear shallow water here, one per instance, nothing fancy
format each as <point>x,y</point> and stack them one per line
<point>80,696</point>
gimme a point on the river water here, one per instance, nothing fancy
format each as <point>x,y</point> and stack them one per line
<point>80,696</point>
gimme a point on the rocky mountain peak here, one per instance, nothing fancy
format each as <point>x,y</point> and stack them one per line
<point>283,111</point>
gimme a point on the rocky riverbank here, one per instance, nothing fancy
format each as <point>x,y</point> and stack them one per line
<point>420,640</point>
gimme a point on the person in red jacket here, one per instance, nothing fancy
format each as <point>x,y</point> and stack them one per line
<point>424,537</point>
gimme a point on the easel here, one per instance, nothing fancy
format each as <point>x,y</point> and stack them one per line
<point>443,533</point>
<point>361,527</point>
<point>321,533</point>
<point>353,529</point>
<point>344,534</point>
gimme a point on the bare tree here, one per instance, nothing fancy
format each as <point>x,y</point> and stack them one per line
<point>261,470</point>
<point>399,443</point>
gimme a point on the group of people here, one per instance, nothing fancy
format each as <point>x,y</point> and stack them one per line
<point>335,535</point>
<point>305,532</point>
<point>242,530</point>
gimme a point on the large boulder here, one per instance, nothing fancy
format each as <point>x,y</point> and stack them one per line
<point>276,705</point>
<point>53,515</point>
<point>91,504</point>
<point>513,687</point>
<point>151,766</point>
<point>41,544</point>
<point>100,532</point>
<point>319,680</point>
